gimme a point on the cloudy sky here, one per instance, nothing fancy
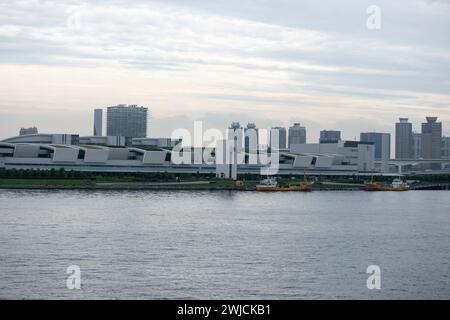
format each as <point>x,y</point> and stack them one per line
<point>269,62</point>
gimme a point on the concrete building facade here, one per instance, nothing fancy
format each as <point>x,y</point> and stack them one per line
<point>226,160</point>
<point>446,151</point>
<point>108,141</point>
<point>431,141</point>
<point>98,123</point>
<point>297,134</point>
<point>26,131</point>
<point>445,147</point>
<point>342,155</point>
<point>417,146</point>
<point>46,138</point>
<point>343,158</point>
<point>251,142</point>
<point>403,139</point>
<point>128,121</point>
<point>382,143</point>
<point>329,136</point>
<point>278,134</point>
<point>431,138</point>
<point>155,142</point>
<point>235,134</point>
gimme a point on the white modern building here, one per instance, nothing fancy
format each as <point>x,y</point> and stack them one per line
<point>226,159</point>
<point>382,142</point>
<point>342,155</point>
<point>108,141</point>
<point>343,158</point>
<point>46,138</point>
<point>155,142</point>
<point>74,157</point>
<point>113,153</point>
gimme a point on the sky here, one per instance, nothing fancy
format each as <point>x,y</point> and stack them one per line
<point>268,62</point>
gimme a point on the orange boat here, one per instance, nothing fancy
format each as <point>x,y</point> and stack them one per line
<point>273,185</point>
<point>270,186</point>
<point>396,185</point>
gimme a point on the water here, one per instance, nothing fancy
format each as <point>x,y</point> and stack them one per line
<point>224,245</point>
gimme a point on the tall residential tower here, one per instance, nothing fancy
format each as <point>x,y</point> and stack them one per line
<point>128,121</point>
<point>431,141</point>
<point>278,136</point>
<point>297,134</point>
<point>403,139</point>
<point>98,122</point>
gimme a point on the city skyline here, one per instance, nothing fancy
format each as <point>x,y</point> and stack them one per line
<point>131,121</point>
<point>99,121</point>
<point>222,61</point>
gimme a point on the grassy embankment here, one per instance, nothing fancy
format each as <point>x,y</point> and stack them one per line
<point>55,178</point>
<point>45,182</point>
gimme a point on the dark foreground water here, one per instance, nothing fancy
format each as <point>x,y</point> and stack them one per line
<point>230,245</point>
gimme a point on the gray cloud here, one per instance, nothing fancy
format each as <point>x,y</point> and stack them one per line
<point>292,58</point>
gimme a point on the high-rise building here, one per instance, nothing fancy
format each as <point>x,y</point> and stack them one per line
<point>297,134</point>
<point>128,121</point>
<point>251,143</point>
<point>98,122</point>
<point>236,132</point>
<point>251,137</point>
<point>417,146</point>
<point>446,151</point>
<point>431,141</point>
<point>403,139</point>
<point>25,131</point>
<point>445,147</point>
<point>236,137</point>
<point>327,136</point>
<point>431,138</point>
<point>281,134</point>
<point>382,142</point>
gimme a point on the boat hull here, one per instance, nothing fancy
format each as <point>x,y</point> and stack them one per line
<point>377,187</point>
<point>289,188</point>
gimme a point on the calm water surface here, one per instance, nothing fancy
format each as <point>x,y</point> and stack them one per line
<point>224,245</point>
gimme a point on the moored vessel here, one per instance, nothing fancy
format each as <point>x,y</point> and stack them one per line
<point>396,185</point>
<point>274,185</point>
